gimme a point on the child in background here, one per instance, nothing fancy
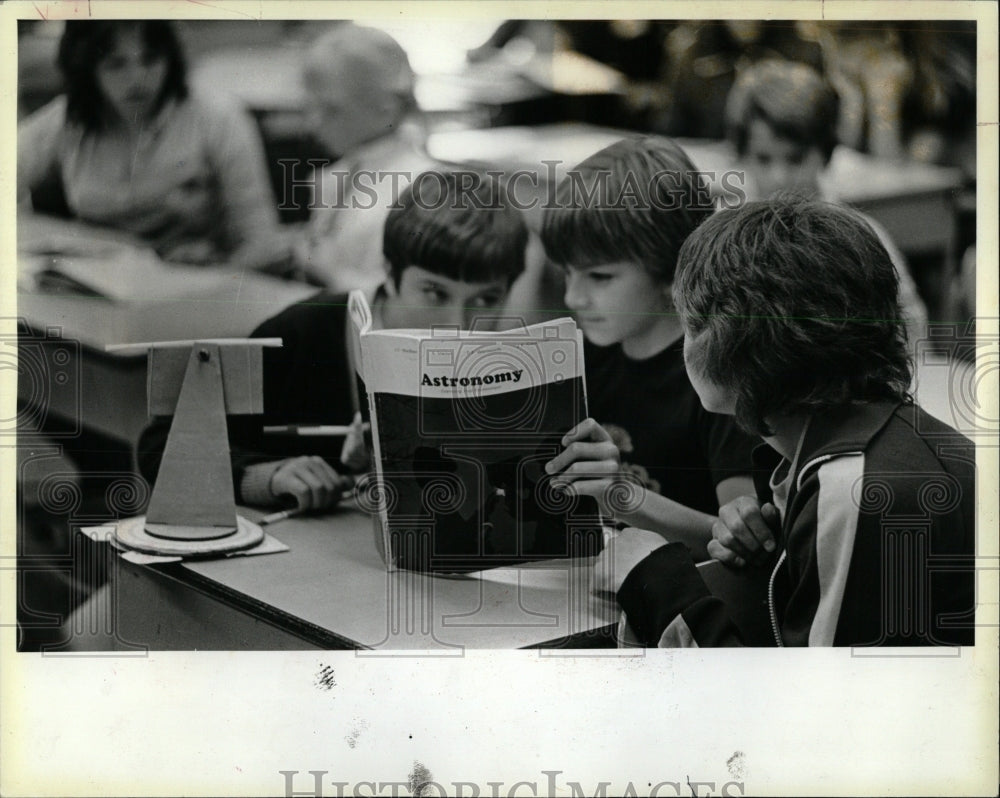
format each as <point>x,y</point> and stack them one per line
<point>866,491</point>
<point>654,457</point>
<point>452,248</point>
<point>781,117</point>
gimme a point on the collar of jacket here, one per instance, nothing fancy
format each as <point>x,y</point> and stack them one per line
<point>843,431</point>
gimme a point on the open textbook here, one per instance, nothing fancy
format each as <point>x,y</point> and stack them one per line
<point>462,425</point>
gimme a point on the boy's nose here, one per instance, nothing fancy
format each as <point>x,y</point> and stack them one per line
<point>575,297</point>
<point>455,315</point>
<point>469,317</point>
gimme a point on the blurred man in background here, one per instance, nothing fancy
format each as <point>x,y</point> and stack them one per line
<point>360,107</point>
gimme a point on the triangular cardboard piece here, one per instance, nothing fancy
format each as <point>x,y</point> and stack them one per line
<point>193,498</point>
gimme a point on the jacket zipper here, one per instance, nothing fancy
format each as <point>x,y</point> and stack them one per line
<point>770,584</point>
<point>770,601</point>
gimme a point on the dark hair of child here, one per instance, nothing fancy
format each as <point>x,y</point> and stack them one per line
<point>85,43</point>
<point>636,200</point>
<point>457,224</point>
<point>793,100</point>
<point>798,301</point>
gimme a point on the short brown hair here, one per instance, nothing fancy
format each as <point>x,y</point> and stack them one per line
<point>793,100</point>
<point>635,200</point>
<point>799,303</point>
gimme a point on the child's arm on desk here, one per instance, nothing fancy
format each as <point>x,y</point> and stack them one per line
<point>662,596</point>
<point>311,482</point>
<point>591,464</point>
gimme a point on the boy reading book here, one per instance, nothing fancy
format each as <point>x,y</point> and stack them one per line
<point>651,454</point>
<point>452,248</point>
<point>870,504</point>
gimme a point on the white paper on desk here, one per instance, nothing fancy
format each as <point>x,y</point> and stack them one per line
<point>269,545</point>
<point>553,574</point>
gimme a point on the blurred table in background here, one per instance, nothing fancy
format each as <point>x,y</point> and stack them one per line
<point>67,382</point>
<point>916,203</point>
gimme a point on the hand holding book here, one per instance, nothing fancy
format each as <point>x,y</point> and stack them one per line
<point>589,464</point>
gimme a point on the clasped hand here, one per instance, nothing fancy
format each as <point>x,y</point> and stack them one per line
<point>744,532</point>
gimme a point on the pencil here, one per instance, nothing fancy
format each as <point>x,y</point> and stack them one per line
<point>294,511</point>
<point>279,516</point>
<point>316,429</point>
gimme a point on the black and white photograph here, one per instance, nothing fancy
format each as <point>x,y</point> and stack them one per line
<point>422,399</point>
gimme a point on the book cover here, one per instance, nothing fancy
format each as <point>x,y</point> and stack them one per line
<point>462,425</point>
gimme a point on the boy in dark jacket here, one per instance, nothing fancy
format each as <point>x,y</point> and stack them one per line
<point>868,519</point>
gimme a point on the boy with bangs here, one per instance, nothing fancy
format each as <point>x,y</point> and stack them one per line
<point>650,454</point>
<point>452,248</point>
<point>870,501</point>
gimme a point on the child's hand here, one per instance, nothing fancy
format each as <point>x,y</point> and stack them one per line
<point>621,554</point>
<point>590,462</point>
<point>310,481</point>
<point>743,532</point>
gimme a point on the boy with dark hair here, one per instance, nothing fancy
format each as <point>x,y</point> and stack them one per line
<point>616,225</point>
<point>452,248</point>
<point>781,118</point>
<point>867,491</point>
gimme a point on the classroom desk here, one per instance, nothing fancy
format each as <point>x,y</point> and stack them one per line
<point>331,591</point>
<point>89,389</point>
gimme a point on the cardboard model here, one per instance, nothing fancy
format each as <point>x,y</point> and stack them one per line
<point>192,510</point>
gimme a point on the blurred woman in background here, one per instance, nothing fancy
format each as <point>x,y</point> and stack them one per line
<point>128,147</point>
